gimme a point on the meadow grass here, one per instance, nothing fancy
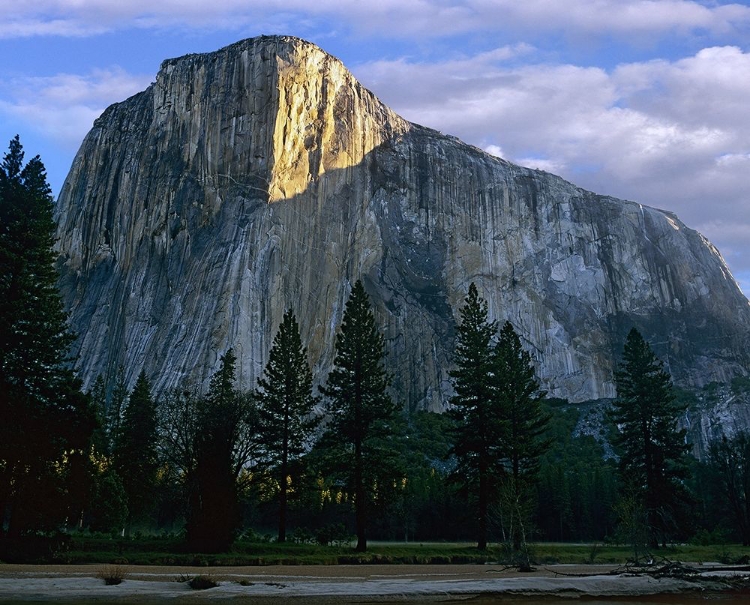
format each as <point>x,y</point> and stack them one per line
<point>162,551</point>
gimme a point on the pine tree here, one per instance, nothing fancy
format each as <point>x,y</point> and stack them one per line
<point>480,426</point>
<point>285,405</point>
<point>525,423</point>
<point>652,448</point>
<point>499,419</point>
<point>115,409</point>
<point>729,467</point>
<point>135,450</point>
<point>225,439</point>
<point>43,410</point>
<point>98,396</point>
<point>359,406</point>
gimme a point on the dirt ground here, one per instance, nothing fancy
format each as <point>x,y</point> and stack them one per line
<point>341,573</point>
<point>327,584</point>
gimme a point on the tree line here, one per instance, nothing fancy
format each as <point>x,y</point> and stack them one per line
<point>502,464</point>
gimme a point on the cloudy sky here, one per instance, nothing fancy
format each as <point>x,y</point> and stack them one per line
<point>641,99</point>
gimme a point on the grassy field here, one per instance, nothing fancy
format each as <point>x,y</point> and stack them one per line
<point>163,551</point>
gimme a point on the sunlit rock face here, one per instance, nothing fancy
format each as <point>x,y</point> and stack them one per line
<point>263,177</point>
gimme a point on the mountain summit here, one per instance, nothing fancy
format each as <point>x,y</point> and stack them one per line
<point>263,177</point>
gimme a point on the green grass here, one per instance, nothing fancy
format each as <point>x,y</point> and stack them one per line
<point>171,551</point>
<point>619,554</point>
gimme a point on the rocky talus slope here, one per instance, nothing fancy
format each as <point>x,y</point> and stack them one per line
<point>263,176</point>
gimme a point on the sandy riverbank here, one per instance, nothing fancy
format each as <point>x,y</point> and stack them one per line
<point>331,584</point>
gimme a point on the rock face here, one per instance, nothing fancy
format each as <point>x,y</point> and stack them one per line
<point>263,177</point>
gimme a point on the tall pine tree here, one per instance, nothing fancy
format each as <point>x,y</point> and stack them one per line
<point>729,468</point>
<point>498,418</point>
<point>480,425</point>
<point>525,422</point>
<point>285,405</point>
<point>226,437</point>
<point>652,448</point>
<point>44,412</point>
<point>359,406</point>
<point>135,451</point>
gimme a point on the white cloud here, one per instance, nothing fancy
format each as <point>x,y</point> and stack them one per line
<point>63,107</point>
<point>403,18</point>
<point>553,166</point>
<point>70,28</point>
<point>630,17</point>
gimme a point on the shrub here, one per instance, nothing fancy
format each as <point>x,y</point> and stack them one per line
<point>112,574</point>
<point>302,535</point>
<point>334,533</point>
<point>202,583</point>
<point>706,538</point>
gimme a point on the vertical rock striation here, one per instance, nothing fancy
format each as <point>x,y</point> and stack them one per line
<point>263,177</point>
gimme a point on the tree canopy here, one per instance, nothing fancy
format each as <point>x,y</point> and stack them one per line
<point>499,421</point>
<point>135,453</point>
<point>652,449</point>
<point>44,412</point>
<point>358,403</point>
<point>225,439</point>
<point>523,443</point>
<point>480,426</point>
<point>285,406</point>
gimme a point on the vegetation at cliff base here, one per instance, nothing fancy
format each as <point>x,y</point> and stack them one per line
<point>361,411</point>
<point>499,423</point>
<point>47,422</point>
<point>282,474</point>
<point>286,404</point>
<point>652,461</point>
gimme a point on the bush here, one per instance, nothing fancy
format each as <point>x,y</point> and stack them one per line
<point>707,538</point>
<point>333,533</point>
<point>202,583</point>
<point>302,535</point>
<point>112,574</point>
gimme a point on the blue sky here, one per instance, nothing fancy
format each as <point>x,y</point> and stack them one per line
<point>641,99</point>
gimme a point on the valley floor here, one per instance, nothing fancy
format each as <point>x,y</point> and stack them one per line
<point>346,584</point>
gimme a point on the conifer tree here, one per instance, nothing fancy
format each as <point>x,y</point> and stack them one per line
<point>498,418</point>
<point>117,402</point>
<point>652,448</point>
<point>523,444</point>
<point>226,436</point>
<point>729,468</point>
<point>44,414</point>
<point>285,405</point>
<point>359,406</point>
<point>135,450</point>
<point>480,425</point>
<point>98,396</point>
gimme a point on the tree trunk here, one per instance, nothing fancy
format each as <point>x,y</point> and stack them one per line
<point>16,508</point>
<point>282,501</point>
<point>360,501</point>
<point>483,508</point>
<point>516,500</point>
<point>360,496</point>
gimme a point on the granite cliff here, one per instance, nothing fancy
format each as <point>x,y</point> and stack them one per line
<point>263,176</point>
